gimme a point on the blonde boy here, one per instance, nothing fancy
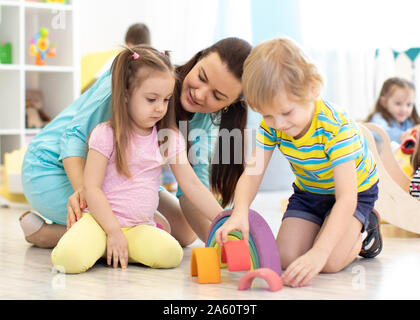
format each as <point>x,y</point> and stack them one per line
<point>330,218</point>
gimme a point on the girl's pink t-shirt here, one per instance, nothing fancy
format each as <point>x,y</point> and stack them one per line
<point>134,200</point>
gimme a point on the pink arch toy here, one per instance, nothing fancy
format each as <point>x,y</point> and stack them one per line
<point>272,278</point>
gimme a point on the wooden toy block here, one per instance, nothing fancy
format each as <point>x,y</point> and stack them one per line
<point>274,281</point>
<point>236,255</point>
<point>205,265</point>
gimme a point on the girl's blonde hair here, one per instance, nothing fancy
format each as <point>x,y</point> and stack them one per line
<point>276,65</point>
<point>128,73</point>
<point>388,88</point>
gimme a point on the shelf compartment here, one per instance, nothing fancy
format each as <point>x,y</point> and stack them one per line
<point>56,88</point>
<point>10,105</point>
<point>9,30</point>
<point>8,144</point>
<point>60,26</point>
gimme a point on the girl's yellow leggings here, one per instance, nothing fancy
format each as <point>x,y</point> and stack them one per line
<point>85,243</point>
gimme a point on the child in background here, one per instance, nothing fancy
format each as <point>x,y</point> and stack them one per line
<point>331,209</point>
<point>122,172</point>
<point>395,111</point>
<point>136,34</point>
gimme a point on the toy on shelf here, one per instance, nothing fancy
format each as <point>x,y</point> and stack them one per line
<point>41,47</point>
<point>6,53</point>
<point>36,118</point>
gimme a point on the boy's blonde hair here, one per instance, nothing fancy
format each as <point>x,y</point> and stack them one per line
<point>276,65</point>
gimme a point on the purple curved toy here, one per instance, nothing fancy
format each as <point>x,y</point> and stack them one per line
<point>263,239</point>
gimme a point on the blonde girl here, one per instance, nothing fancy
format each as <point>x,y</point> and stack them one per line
<point>123,166</point>
<point>330,212</point>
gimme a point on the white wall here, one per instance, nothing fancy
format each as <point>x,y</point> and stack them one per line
<point>350,24</point>
<point>344,41</point>
<point>182,26</point>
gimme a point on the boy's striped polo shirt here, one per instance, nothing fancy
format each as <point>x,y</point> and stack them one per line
<point>332,138</point>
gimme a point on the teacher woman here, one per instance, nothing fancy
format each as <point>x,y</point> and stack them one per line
<point>207,99</point>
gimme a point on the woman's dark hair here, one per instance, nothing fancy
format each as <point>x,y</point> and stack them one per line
<point>223,176</point>
<point>387,89</point>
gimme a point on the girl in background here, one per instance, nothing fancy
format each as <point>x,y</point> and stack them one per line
<point>122,172</point>
<point>329,219</point>
<point>395,110</point>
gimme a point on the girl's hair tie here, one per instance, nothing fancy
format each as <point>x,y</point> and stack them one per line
<point>135,55</point>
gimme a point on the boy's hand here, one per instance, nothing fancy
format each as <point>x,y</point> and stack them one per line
<point>301,271</point>
<point>75,204</point>
<point>235,222</point>
<point>117,249</point>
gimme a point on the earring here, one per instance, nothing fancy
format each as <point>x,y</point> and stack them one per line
<point>225,109</point>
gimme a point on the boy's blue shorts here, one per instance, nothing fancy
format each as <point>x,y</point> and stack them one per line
<point>316,207</point>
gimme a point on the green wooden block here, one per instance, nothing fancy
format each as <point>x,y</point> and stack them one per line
<point>6,53</point>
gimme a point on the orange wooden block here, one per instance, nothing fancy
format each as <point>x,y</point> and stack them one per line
<point>236,254</point>
<point>205,265</point>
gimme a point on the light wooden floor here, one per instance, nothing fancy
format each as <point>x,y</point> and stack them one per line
<point>26,273</point>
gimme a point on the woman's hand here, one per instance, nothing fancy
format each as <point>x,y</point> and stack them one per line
<point>235,222</point>
<point>75,204</point>
<point>301,271</point>
<point>117,249</point>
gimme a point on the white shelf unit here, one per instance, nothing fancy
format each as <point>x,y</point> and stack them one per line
<point>59,80</point>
